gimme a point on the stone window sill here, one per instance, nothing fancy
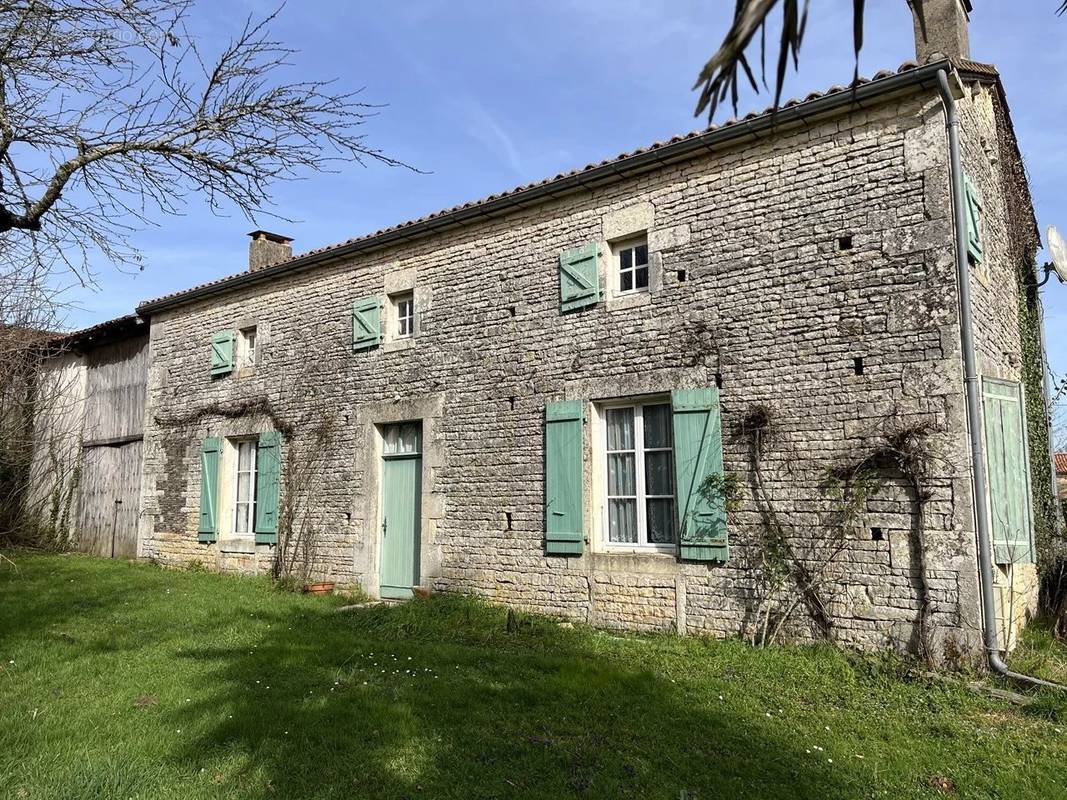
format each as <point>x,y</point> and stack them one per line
<point>627,302</point>
<point>237,545</point>
<point>406,343</point>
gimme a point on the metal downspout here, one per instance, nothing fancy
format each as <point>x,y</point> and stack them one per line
<point>970,382</point>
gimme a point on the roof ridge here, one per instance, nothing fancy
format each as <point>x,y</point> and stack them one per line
<point>397,230</point>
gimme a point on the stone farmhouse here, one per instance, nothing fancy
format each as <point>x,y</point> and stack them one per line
<point>715,385</point>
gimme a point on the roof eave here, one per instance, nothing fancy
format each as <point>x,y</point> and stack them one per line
<point>754,127</point>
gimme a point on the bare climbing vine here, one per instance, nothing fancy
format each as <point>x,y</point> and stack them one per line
<point>907,451</point>
<point>789,579</point>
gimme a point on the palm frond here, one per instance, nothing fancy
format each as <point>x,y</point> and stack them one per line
<point>721,76</point>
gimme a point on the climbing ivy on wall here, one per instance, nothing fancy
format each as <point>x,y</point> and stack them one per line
<point>1033,372</point>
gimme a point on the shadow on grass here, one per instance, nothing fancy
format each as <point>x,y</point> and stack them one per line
<point>438,699</point>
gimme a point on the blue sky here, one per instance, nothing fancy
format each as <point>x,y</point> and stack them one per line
<point>487,95</point>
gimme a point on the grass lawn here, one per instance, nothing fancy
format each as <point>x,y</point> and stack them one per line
<point>127,681</point>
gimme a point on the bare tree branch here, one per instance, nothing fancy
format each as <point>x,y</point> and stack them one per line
<point>112,113</point>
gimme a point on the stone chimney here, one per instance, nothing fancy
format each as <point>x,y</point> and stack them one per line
<point>941,28</point>
<point>267,249</point>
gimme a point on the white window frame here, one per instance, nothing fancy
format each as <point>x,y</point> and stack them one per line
<point>617,249</point>
<point>398,301</point>
<point>601,442</point>
<point>250,504</point>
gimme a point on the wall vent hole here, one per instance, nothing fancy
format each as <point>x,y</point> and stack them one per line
<point>511,402</point>
<point>511,310</point>
<point>857,365</point>
<point>718,380</point>
<point>844,243</point>
<point>681,276</point>
<point>507,520</point>
<point>877,534</point>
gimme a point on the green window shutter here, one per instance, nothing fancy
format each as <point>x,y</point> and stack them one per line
<point>209,489</point>
<point>366,323</point>
<point>698,455</point>
<point>564,520</point>
<point>222,353</point>
<point>579,285</point>
<point>268,470</point>
<point>974,219</point>
<point>1008,472</point>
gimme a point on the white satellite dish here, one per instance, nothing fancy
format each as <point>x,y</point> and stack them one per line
<point>1057,249</point>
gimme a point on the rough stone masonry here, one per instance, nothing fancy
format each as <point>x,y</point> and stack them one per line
<point>806,269</point>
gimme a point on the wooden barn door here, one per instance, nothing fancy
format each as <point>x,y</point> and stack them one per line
<point>109,499</point>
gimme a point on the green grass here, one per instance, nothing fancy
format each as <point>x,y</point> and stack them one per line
<point>126,681</point>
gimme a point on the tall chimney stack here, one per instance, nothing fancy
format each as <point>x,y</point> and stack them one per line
<point>267,249</point>
<point>941,28</point>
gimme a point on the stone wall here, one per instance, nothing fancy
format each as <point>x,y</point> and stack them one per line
<point>996,303</point>
<point>775,267</point>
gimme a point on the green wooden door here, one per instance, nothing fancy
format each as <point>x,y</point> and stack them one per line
<point>1009,471</point>
<point>400,512</point>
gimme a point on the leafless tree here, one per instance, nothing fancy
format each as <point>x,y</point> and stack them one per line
<point>113,112</point>
<point>729,68</point>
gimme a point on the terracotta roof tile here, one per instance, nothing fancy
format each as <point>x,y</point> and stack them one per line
<point>1061,462</point>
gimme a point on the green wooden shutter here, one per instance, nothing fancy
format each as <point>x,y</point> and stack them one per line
<point>564,520</point>
<point>1009,472</point>
<point>974,220</point>
<point>579,285</point>
<point>366,323</point>
<point>698,455</point>
<point>209,489</point>
<point>268,470</point>
<point>222,353</point>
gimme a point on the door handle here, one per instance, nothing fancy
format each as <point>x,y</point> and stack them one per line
<point>385,525</point>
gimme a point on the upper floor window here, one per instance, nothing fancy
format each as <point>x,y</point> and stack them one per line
<point>639,453</point>
<point>404,314</point>
<point>632,263</point>
<point>246,347</point>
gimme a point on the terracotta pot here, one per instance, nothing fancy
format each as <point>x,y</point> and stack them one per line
<point>322,587</point>
<point>421,591</point>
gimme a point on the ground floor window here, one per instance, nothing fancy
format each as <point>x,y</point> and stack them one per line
<point>639,461</point>
<point>244,484</point>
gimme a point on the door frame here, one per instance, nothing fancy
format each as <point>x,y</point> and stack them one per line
<point>417,511</point>
<point>365,503</point>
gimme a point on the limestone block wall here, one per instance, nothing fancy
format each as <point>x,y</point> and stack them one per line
<point>996,302</point>
<point>810,273</point>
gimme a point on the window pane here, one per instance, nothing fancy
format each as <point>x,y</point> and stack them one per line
<point>626,259</point>
<point>620,428</point>
<point>641,254</point>
<point>660,521</point>
<point>626,282</point>
<point>622,521</point>
<point>244,485</point>
<point>657,426</point>
<point>241,525</point>
<point>244,456</point>
<point>641,278</point>
<point>658,473</point>
<point>622,477</point>
<point>409,438</point>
